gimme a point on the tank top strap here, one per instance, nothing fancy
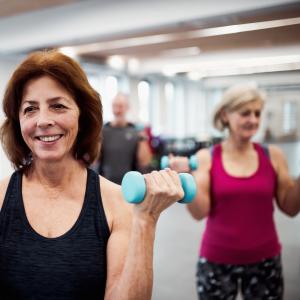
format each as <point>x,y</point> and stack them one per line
<point>10,198</point>
<point>262,149</point>
<point>263,154</point>
<point>95,200</point>
<point>215,152</point>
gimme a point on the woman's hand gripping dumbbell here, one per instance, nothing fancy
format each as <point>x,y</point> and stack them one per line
<point>179,163</point>
<point>134,186</point>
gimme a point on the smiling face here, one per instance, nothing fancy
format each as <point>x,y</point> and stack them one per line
<point>48,119</point>
<point>244,121</point>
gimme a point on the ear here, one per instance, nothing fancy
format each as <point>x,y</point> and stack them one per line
<point>224,117</point>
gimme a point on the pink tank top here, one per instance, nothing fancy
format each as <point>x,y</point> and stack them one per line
<point>240,228</point>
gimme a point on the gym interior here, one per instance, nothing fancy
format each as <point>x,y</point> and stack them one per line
<point>175,59</point>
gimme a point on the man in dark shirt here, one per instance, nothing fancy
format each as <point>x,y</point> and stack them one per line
<point>123,147</point>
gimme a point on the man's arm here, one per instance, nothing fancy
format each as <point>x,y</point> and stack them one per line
<point>144,154</point>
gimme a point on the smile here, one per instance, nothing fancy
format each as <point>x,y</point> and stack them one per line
<point>49,138</point>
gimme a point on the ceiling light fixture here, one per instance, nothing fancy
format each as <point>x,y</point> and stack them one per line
<point>192,34</point>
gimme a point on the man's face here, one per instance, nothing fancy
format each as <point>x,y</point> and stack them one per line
<point>120,107</point>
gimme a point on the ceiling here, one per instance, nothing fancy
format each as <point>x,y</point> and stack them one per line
<point>208,37</point>
<point>10,8</point>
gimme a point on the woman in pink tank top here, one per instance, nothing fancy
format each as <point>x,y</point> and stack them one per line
<point>238,181</point>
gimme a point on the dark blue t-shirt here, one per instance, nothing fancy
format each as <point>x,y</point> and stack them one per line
<point>118,151</point>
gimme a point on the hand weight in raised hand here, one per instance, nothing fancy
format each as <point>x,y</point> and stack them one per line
<point>134,187</point>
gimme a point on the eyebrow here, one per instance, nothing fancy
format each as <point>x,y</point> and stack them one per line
<point>31,102</point>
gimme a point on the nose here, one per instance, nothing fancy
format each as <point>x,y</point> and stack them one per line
<point>254,118</point>
<point>44,119</point>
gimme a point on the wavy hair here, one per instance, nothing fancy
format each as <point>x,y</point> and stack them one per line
<point>70,75</point>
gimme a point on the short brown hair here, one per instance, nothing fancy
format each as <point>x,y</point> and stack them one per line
<point>70,75</point>
<point>233,98</point>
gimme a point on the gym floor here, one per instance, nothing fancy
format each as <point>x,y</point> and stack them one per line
<point>176,248</point>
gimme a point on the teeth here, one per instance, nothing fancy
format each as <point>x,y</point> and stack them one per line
<point>50,138</point>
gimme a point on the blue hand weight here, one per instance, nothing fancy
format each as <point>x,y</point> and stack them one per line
<point>193,162</point>
<point>164,162</point>
<point>134,187</point>
<point>189,187</point>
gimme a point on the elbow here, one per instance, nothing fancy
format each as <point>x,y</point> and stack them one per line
<point>291,213</point>
<point>290,205</point>
<point>197,215</point>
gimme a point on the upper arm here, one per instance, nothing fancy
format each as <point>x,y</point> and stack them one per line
<point>120,215</point>
<point>200,207</point>
<point>3,188</point>
<point>284,180</point>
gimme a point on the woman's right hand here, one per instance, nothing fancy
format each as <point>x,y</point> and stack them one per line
<point>163,188</point>
<point>180,164</point>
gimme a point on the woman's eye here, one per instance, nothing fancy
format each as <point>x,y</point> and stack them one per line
<point>245,113</point>
<point>29,109</point>
<point>58,106</point>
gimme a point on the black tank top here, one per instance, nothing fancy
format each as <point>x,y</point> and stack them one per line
<point>71,266</point>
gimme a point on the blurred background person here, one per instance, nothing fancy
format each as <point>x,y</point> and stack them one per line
<point>124,147</point>
<point>237,183</point>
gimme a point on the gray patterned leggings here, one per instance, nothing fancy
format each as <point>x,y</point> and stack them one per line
<point>259,281</point>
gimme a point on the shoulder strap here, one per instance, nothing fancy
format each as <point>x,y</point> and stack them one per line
<point>266,150</point>
<point>11,189</point>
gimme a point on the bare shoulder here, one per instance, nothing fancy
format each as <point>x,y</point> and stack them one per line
<point>277,157</point>
<point>3,187</point>
<point>116,208</point>
<point>275,151</point>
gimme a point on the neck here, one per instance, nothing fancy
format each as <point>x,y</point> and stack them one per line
<point>233,144</point>
<point>119,123</point>
<point>56,174</point>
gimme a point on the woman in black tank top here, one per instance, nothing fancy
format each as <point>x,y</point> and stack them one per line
<point>66,233</point>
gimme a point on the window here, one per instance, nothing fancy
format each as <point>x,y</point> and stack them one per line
<point>109,92</point>
<point>289,117</point>
<point>144,95</point>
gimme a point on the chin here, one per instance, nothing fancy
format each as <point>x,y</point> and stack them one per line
<point>49,158</point>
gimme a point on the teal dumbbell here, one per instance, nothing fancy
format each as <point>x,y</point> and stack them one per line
<point>134,187</point>
<point>193,162</point>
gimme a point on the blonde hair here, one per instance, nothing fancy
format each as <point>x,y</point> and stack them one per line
<point>233,98</point>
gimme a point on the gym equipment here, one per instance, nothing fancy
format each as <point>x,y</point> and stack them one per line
<point>193,162</point>
<point>134,187</point>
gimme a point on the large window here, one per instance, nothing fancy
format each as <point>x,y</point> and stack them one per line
<point>290,110</point>
<point>110,91</point>
<point>144,96</point>
<point>170,107</point>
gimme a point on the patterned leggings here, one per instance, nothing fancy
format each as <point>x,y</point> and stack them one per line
<point>260,281</point>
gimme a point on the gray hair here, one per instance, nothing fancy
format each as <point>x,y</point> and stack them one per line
<point>233,98</point>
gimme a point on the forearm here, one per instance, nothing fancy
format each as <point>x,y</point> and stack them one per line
<point>292,201</point>
<point>136,279</point>
<point>196,211</point>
